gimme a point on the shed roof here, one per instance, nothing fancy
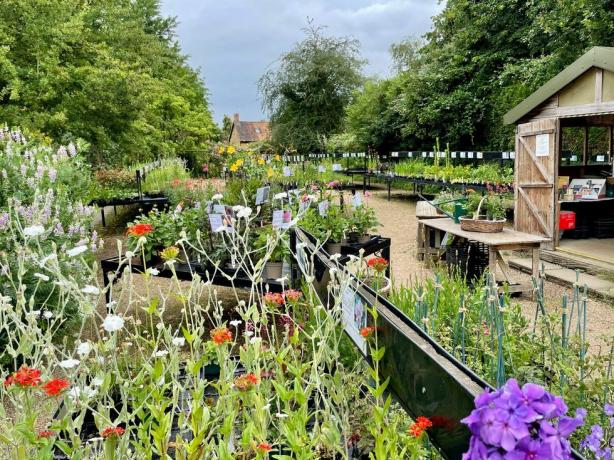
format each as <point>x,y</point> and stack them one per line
<point>598,56</point>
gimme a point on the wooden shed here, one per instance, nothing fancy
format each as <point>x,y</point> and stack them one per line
<point>564,145</point>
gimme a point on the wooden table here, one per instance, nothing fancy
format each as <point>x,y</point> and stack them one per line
<point>496,242</point>
<point>425,210</point>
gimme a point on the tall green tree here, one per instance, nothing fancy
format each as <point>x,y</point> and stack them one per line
<point>307,94</point>
<point>107,71</point>
<point>480,60</point>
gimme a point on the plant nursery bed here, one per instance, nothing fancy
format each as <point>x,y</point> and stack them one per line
<point>219,276</point>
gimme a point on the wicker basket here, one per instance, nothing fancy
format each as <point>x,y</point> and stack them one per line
<point>481,225</point>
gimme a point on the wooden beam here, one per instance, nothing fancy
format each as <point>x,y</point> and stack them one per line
<point>536,161</point>
<point>599,86</point>
<point>534,211</point>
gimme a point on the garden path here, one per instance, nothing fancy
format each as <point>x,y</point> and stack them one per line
<point>398,221</point>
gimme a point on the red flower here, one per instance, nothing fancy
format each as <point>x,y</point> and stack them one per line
<point>421,424</point>
<point>140,229</point>
<point>292,295</point>
<point>247,381</point>
<point>253,378</point>
<point>264,447</point>
<point>221,335</point>
<point>378,264</point>
<point>274,298</point>
<point>45,434</point>
<point>367,331</point>
<point>112,431</point>
<point>55,386</point>
<point>24,377</point>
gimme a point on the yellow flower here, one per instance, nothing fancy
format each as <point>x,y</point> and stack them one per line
<point>277,158</point>
<point>269,173</point>
<point>170,253</point>
<point>231,149</point>
<point>221,150</point>
<point>260,161</point>
<point>239,162</point>
<point>234,168</point>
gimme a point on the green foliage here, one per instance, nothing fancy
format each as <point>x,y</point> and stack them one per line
<point>109,72</point>
<point>264,238</point>
<point>480,60</point>
<point>307,95</point>
<point>363,220</point>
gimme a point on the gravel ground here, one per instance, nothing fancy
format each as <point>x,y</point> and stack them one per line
<point>398,221</point>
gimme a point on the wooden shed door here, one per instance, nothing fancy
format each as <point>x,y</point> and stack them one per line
<point>535,173</point>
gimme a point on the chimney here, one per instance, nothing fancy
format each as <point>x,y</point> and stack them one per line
<point>235,118</point>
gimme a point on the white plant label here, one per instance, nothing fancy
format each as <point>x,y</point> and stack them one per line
<point>323,208</point>
<point>287,171</point>
<point>354,317</point>
<point>322,169</point>
<point>600,158</point>
<point>337,167</point>
<point>356,200</point>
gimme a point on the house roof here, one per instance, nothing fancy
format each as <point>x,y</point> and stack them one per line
<point>598,56</point>
<point>252,131</point>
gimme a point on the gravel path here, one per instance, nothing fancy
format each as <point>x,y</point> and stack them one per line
<point>397,221</point>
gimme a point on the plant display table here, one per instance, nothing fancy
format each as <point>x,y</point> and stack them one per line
<point>218,276</point>
<point>145,200</point>
<point>496,242</point>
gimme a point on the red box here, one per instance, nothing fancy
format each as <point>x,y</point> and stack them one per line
<point>567,220</point>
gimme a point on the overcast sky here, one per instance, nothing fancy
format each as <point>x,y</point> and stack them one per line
<point>233,42</point>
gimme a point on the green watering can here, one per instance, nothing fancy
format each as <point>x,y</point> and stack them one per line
<point>457,213</point>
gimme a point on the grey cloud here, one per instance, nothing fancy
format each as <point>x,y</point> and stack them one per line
<point>233,42</point>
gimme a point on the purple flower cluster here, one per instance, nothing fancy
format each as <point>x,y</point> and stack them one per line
<point>516,423</point>
<point>601,442</point>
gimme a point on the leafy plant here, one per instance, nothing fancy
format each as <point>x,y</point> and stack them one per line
<point>363,220</point>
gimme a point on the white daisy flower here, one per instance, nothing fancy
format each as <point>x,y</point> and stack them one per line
<point>89,289</point>
<point>76,251</point>
<point>217,196</point>
<point>34,230</point>
<point>84,349</point>
<point>113,323</point>
<point>69,363</point>
<point>179,341</point>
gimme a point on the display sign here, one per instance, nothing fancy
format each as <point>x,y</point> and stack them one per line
<point>356,200</point>
<point>287,171</point>
<point>262,195</point>
<point>282,218</point>
<point>354,317</point>
<point>337,167</point>
<point>542,145</point>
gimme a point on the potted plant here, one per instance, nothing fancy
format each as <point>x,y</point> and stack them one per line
<point>487,213</point>
<point>273,268</point>
<point>375,276</point>
<point>335,226</point>
<point>362,222</point>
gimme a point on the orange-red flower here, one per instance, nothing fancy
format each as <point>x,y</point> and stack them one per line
<point>55,386</point>
<point>24,377</point>
<point>112,431</point>
<point>419,426</point>
<point>292,295</point>
<point>221,335</point>
<point>367,331</point>
<point>378,264</point>
<point>45,434</point>
<point>247,381</point>
<point>274,298</point>
<point>140,229</point>
<point>264,447</point>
